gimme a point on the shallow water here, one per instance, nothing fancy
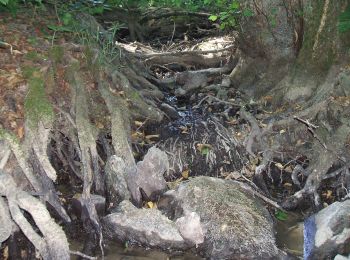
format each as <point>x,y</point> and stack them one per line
<point>289,235</point>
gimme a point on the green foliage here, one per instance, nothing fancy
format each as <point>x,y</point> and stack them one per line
<point>12,6</point>
<point>281,215</point>
<point>344,21</point>
<point>4,2</point>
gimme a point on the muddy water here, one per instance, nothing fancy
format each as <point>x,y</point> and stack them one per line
<point>116,251</point>
<point>289,235</point>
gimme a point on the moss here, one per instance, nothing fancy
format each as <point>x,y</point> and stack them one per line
<point>37,106</point>
<point>135,95</point>
<point>91,62</point>
<point>35,56</point>
<point>5,135</point>
<point>72,68</point>
<point>28,72</point>
<point>56,54</point>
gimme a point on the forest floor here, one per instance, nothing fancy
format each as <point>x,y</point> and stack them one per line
<point>201,127</point>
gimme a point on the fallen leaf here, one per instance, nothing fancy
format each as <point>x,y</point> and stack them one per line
<point>287,185</point>
<point>99,125</point>
<point>185,174</point>
<point>20,132</point>
<point>204,148</point>
<point>327,194</point>
<point>282,131</point>
<point>184,129</point>
<point>279,166</point>
<point>150,204</point>
<point>138,123</point>
<point>288,169</point>
<point>5,253</point>
<point>149,137</point>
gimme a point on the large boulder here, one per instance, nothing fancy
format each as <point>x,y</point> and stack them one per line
<point>147,227</point>
<point>327,233</point>
<point>236,225</point>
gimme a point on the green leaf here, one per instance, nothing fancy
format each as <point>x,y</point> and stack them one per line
<point>205,150</point>
<point>4,2</point>
<point>248,12</point>
<point>234,5</point>
<point>281,215</point>
<point>213,18</point>
<point>59,28</point>
<point>67,18</point>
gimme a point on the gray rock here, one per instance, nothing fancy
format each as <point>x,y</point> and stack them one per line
<point>147,227</point>
<point>236,225</point>
<point>170,111</point>
<point>148,175</point>
<point>327,233</point>
<point>190,228</point>
<point>341,257</point>
<point>115,180</point>
<point>97,200</point>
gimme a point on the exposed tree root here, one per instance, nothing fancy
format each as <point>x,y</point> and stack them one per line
<point>52,243</point>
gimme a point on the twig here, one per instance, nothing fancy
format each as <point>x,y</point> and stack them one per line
<point>172,36</point>
<point>82,255</point>
<point>6,45</point>
<point>336,172</point>
<point>311,128</point>
<point>261,196</point>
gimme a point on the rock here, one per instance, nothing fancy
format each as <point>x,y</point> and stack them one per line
<point>327,233</point>
<point>97,200</point>
<point>115,180</point>
<point>147,227</point>
<point>236,225</point>
<point>190,228</point>
<point>170,111</point>
<point>341,257</point>
<point>148,175</point>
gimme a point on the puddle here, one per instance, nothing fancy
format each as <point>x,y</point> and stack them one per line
<point>289,235</point>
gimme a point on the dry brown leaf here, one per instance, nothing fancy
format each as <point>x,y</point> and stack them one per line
<point>150,204</point>
<point>20,132</point>
<point>99,125</point>
<point>149,137</point>
<point>185,174</point>
<point>288,169</point>
<point>327,194</point>
<point>138,123</point>
<point>279,166</point>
